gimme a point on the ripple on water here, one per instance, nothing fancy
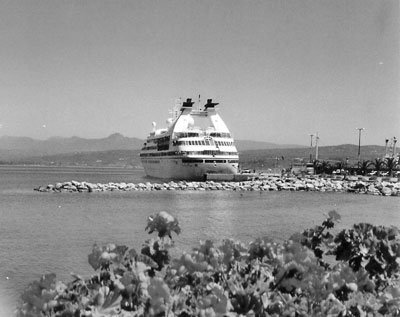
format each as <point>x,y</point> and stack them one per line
<point>53,232</point>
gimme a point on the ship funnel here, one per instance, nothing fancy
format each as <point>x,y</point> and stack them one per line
<point>210,104</point>
<point>188,103</point>
<point>154,126</point>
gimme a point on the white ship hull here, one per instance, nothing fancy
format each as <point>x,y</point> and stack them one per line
<point>176,168</point>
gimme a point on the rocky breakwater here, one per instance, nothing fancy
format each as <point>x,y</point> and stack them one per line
<point>351,184</point>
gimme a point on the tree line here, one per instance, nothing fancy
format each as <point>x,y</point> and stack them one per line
<point>380,166</point>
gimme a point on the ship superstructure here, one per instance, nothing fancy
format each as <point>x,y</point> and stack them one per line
<point>195,143</point>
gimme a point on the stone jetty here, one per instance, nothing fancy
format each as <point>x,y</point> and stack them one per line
<point>350,184</point>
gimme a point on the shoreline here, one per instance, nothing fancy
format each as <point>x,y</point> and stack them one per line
<point>382,186</point>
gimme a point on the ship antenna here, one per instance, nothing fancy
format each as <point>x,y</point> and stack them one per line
<point>175,109</point>
<point>199,104</point>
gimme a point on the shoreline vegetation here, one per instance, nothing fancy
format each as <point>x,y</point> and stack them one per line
<point>384,186</point>
<point>314,273</point>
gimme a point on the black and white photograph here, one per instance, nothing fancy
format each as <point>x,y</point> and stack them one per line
<point>175,158</point>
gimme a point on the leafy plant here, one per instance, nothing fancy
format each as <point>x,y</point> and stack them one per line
<point>364,167</point>
<point>164,224</point>
<point>315,273</point>
<point>378,164</point>
<point>391,163</point>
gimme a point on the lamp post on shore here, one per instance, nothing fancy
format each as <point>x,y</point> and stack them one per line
<point>311,135</point>
<point>359,145</point>
<point>386,147</point>
<point>316,146</point>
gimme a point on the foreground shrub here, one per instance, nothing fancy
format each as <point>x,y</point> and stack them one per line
<point>354,273</point>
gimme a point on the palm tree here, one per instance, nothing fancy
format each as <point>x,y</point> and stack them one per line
<point>391,163</point>
<point>317,165</point>
<point>378,164</point>
<point>340,166</point>
<point>326,167</point>
<point>364,167</point>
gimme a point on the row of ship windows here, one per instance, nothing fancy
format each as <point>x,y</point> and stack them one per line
<point>208,161</point>
<point>179,135</point>
<point>194,161</point>
<point>205,142</point>
<point>205,152</point>
<point>196,134</point>
<point>195,142</point>
<point>147,148</point>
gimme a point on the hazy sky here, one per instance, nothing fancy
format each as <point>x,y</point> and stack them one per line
<point>281,69</point>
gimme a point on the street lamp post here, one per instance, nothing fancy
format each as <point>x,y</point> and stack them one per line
<point>316,146</point>
<point>359,145</point>
<point>386,147</point>
<point>311,135</point>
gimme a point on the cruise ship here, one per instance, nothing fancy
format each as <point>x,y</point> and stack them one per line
<point>196,142</point>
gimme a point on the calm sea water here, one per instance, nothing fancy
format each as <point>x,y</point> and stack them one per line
<point>54,232</point>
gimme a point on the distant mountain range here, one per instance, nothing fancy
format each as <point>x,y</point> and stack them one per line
<point>247,145</point>
<point>22,147</point>
<point>257,159</point>
<point>118,150</point>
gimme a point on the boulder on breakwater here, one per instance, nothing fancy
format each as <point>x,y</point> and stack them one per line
<point>352,184</point>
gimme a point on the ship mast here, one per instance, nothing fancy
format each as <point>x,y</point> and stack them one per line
<point>175,110</point>
<point>198,104</point>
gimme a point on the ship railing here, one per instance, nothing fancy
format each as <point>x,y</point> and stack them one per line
<point>211,152</point>
<point>192,134</point>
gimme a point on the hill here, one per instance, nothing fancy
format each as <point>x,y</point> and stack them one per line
<point>118,150</point>
<point>282,158</point>
<point>112,158</point>
<point>17,148</point>
<point>247,145</point>
<point>252,159</point>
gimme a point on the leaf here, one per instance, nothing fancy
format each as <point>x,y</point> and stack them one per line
<point>157,255</point>
<point>328,223</point>
<point>160,296</point>
<point>120,251</point>
<point>132,253</point>
<point>318,252</point>
<point>164,224</point>
<point>112,298</point>
<point>374,266</point>
<point>94,257</point>
<point>393,232</point>
<point>334,215</point>
<point>297,237</point>
<point>232,251</point>
<point>355,262</point>
<point>76,277</point>
<point>363,228</point>
<point>146,260</point>
<point>108,311</point>
<point>48,280</point>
